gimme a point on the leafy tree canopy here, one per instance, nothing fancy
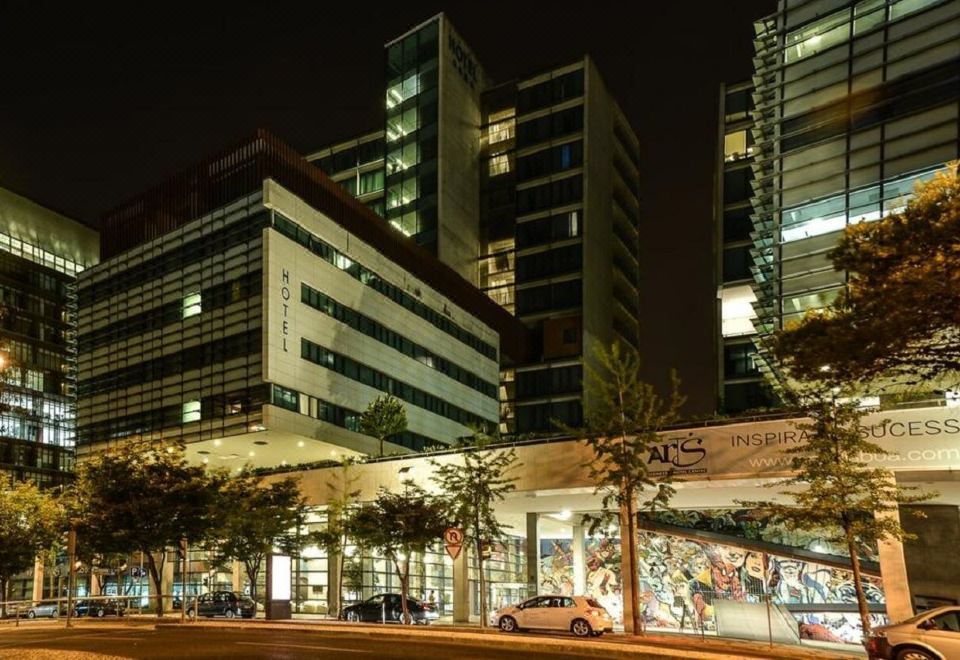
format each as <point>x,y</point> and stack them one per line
<point>31,520</point>
<point>899,316</point>
<point>254,518</point>
<point>143,497</point>
<point>383,418</point>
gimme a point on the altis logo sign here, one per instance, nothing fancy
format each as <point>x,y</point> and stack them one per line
<point>463,62</point>
<point>680,455</point>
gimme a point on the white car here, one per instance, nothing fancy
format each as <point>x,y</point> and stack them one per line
<point>581,615</point>
<point>930,635</point>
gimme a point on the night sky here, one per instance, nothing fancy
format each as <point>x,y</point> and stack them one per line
<point>96,105</point>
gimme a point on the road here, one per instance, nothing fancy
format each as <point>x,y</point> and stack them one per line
<point>48,642</point>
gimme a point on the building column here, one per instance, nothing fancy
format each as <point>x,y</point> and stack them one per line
<point>893,570</point>
<point>94,582</point>
<point>333,575</point>
<point>533,554</point>
<point>236,576</point>
<point>166,581</point>
<point>579,561</point>
<point>461,587</point>
<point>38,579</point>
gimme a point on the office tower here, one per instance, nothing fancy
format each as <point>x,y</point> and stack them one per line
<point>854,104</point>
<point>528,188</point>
<point>41,253</point>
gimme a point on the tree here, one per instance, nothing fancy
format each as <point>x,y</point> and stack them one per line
<point>398,525</point>
<point>472,488</point>
<point>899,316</point>
<point>254,518</point>
<point>334,537</point>
<point>144,497</point>
<point>837,490</point>
<point>31,520</point>
<point>622,417</point>
<point>383,418</point>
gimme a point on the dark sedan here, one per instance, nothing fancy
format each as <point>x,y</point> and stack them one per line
<point>98,608</point>
<point>230,604</point>
<point>387,608</point>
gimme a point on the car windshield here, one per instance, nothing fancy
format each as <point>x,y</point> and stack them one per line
<point>916,617</point>
<point>592,603</point>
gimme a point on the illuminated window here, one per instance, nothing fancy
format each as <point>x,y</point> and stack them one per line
<point>735,146</point>
<point>818,36</point>
<point>736,310</point>
<point>499,164</point>
<point>191,305</point>
<point>191,412</point>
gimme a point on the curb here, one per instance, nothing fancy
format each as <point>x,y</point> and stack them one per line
<point>656,647</point>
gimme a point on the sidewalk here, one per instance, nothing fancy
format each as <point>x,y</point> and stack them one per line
<point>662,645</point>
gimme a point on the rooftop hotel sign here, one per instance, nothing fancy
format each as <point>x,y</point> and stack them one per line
<point>918,439</point>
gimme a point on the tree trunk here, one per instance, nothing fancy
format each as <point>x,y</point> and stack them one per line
<point>157,580</point>
<point>3,597</point>
<point>341,561</point>
<point>633,579</point>
<point>404,574</point>
<point>252,571</point>
<point>858,584</point>
<point>482,584</point>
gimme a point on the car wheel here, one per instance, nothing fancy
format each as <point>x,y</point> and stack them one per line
<point>76,614</point>
<point>100,613</point>
<point>191,613</point>
<point>914,654</point>
<point>229,613</point>
<point>353,617</point>
<point>508,624</point>
<point>31,614</point>
<point>55,614</point>
<point>580,628</point>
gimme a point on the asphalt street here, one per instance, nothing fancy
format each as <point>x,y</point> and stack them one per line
<point>43,642</point>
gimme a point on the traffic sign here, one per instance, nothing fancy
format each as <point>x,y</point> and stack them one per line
<point>453,539</point>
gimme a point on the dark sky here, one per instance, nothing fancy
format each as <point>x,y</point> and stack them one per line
<point>97,104</point>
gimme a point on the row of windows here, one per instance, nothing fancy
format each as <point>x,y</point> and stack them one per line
<point>175,364</point>
<point>244,401</point>
<point>549,263</point>
<point>543,416</point>
<point>213,297</point>
<point>216,242</point>
<point>28,454</point>
<point>548,195</point>
<point>555,159</point>
<point>897,98</point>
<point>546,382</point>
<point>331,413</point>
<point>550,92</point>
<point>13,269</point>
<point>363,153</point>
<point>28,326</point>
<point>560,295</point>
<point>835,28</point>
<point>395,340</point>
<point>361,373</point>
<point>38,255</point>
<point>547,230</point>
<point>366,276</point>
<point>549,126</point>
<point>25,354</point>
<point>32,304</point>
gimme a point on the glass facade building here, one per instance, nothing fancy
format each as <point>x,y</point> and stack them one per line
<point>854,103</point>
<point>529,189</point>
<point>41,253</point>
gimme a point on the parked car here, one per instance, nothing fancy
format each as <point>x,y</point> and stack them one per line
<point>230,604</point>
<point>930,635</point>
<point>387,608</point>
<point>43,610</point>
<point>98,608</point>
<point>581,615</point>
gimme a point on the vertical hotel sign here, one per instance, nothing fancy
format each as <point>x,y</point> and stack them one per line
<point>285,295</point>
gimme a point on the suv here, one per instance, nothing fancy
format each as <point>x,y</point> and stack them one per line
<point>222,603</point>
<point>930,635</point>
